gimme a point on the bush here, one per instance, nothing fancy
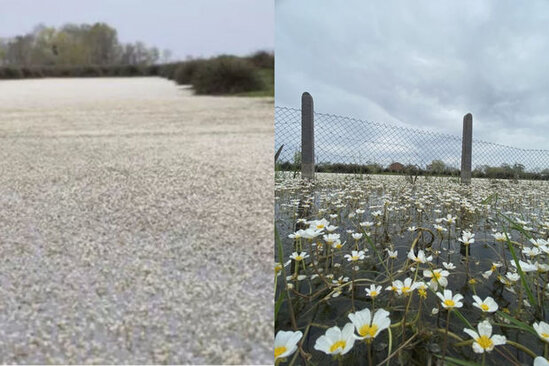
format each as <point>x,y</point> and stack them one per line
<point>31,72</point>
<point>226,75</point>
<point>10,73</point>
<point>168,71</point>
<point>151,70</point>
<point>262,59</point>
<point>185,71</point>
<point>129,70</point>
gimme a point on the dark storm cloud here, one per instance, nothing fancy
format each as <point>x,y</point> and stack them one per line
<point>422,64</point>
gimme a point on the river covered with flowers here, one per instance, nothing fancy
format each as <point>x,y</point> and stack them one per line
<point>379,270</point>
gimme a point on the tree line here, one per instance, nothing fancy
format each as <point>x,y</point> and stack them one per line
<point>75,45</point>
<point>435,168</point>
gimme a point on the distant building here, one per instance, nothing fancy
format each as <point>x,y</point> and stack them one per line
<point>396,167</point>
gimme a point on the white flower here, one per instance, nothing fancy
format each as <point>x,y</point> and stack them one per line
<point>438,277</point>
<point>285,343</point>
<point>542,328</point>
<point>392,253</point>
<point>531,252</point>
<point>357,236</point>
<point>331,228</point>
<point>539,242</point>
<point>336,341</point>
<point>484,340</point>
<point>373,291</point>
<point>341,280</point>
<point>450,219</point>
<point>318,224</point>
<point>405,287</point>
<point>540,361</point>
<point>449,302</point>
<point>541,267</point>
<point>298,257</point>
<point>513,277</point>
<point>494,267</point>
<point>367,224</point>
<point>420,258</point>
<point>500,237</point>
<point>368,327</point>
<point>311,233</point>
<point>355,256</point>
<point>296,235</point>
<point>449,266</point>
<point>467,238</point>
<point>440,229</point>
<point>526,266</point>
<point>278,267</point>
<point>488,305</point>
<point>331,238</point>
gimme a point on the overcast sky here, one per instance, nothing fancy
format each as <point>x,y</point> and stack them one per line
<point>187,27</point>
<point>421,63</point>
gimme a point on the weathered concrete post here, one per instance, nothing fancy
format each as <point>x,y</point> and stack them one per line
<point>466,148</point>
<point>307,137</point>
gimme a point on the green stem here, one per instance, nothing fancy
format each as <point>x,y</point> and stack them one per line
<point>446,336</point>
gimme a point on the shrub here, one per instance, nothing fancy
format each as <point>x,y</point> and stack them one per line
<point>185,71</point>
<point>31,72</point>
<point>226,75</point>
<point>168,70</point>
<point>10,73</point>
<point>151,70</point>
<point>262,59</point>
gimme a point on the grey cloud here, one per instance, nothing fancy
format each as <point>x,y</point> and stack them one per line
<point>422,64</point>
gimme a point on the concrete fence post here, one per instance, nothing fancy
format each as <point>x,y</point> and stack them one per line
<point>307,137</point>
<point>466,148</point>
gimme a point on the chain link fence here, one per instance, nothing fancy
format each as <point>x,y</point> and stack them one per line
<point>348,142</point>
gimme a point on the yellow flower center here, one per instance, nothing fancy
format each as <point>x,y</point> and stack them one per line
<point>449,303</point>
<point>472,281</point>
<point>298,258</point>
<point>405,289</point>
<point>493,268</point>
<point>484,307</point>
<point>320,226</point>
<point>373,293</point>
<point>436,275</point>
<point>336,345</point>
<point>422,292</point>
<point>279,350</point>
<point>354,258</point>
<point>368,330</point>
<point>485,342</point>
<point>545,335</point>
<point>338,246</point>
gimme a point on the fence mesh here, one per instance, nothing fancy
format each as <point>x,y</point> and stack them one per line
<point>345,140</point>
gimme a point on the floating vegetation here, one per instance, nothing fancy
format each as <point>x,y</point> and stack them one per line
<point>378,270</point>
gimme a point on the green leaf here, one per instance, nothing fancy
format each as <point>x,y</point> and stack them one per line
<point>279,303</point>
<point>521,325</point>
<point>456,361</point>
